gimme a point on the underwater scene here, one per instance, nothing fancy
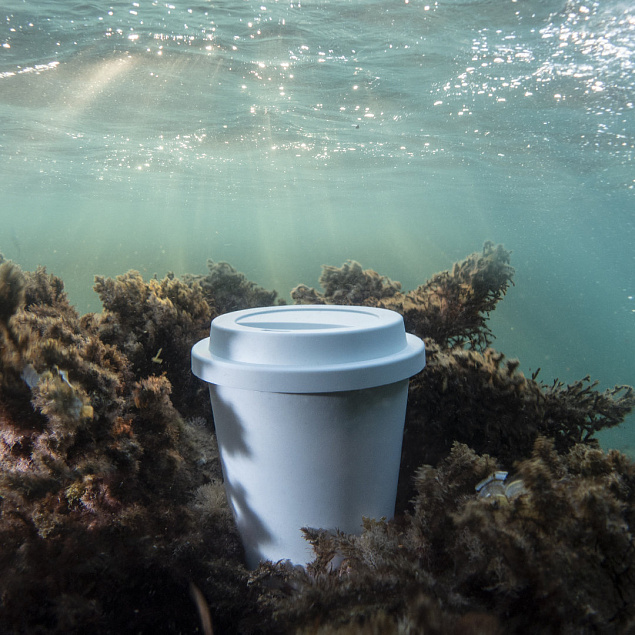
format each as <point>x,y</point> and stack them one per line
<point>466,163</point>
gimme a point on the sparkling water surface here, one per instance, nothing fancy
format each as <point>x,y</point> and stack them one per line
<point>281,136</point>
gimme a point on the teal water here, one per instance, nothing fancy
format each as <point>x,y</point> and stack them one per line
<point>281,136</point>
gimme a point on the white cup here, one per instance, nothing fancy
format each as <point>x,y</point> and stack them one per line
<point>309,406</point>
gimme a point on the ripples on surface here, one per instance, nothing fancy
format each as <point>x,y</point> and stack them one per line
<point>155,86</point>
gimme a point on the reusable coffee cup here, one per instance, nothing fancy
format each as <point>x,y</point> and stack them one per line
<point>309,405</point>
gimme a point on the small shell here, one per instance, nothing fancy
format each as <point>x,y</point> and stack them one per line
<point>497,486</point>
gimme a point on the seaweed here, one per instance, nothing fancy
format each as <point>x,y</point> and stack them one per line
<point>348,284</point>
<point>484,401</point>
<point>155,323</point>
<point>461,562</point>
<point>12,290</point>
<point>112,510</point>
<point>227,289</point>
<point>101,524</point>
<point>452,308</point>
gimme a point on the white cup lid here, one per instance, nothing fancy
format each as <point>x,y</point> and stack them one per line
<point>308,349</point>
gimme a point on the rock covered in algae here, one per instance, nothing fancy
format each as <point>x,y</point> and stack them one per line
<point>460,563</point>
<point>107,503</point>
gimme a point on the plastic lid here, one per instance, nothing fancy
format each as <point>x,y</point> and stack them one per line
<point>308,349</point>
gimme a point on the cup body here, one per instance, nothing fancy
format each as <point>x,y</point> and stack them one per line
<point>321,460</point>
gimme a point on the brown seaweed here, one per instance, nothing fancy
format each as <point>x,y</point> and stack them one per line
<point>155,323</point>
<point>484,401</point>
<point>111,500</point>
<point>348,284</point>
<point>227,289</point>
<point>452,308</point>
<point>459,562</point>
<point>100,524</point>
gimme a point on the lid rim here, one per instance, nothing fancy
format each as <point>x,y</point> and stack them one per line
<point>309,379</point>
